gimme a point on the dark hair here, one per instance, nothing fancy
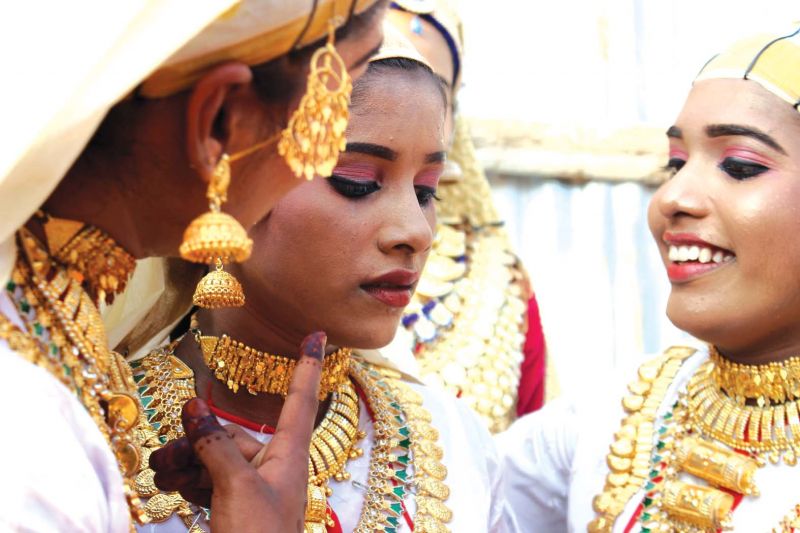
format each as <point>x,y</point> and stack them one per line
<point>376,68</point>
<point>275,80</point>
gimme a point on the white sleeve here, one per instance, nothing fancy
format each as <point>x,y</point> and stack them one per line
<point>536,454</point>
<point>58,472</point>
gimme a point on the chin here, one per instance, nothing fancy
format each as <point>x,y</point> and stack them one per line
<point>371,335</point>
<point>698,321</point>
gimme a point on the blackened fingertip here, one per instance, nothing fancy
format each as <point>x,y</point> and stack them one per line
<point>196,408</point>
<point>314,345</point>
<point>175,455</point>
<point>198,421</point>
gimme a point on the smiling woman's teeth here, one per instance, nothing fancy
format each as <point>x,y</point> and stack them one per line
<point>680,254</point>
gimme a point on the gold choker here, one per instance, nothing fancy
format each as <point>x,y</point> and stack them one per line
<point>238,365</point>
<point>773,383</point>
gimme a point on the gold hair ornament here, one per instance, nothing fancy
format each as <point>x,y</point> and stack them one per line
<point>314,137</point>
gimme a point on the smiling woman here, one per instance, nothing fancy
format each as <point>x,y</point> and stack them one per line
<point>341,255</point>
<point>709,436</point>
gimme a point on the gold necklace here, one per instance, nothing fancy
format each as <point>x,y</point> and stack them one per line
<point>773,383</point>
<point>238,365</point>
<point>90,255</point>
<point>67,332</point>
<point>767,429</point>
<point>689,441</point>
<point>466,326</point>
<point>629,458</point>
<point>165,383</point>
<point>400,424</point>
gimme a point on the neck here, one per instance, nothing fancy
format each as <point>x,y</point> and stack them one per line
<point>244,326</point>
<point>145,217</point>
<point>777,350</point>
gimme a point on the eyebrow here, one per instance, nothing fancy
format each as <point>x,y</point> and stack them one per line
<point>722,130</point>
<point>383,152</point>
<point>375,150</point>
<point>674,132</point>
<point>363,59</point>
<point>436,157</point>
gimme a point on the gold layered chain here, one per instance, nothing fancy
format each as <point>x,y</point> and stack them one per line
<point>401,425</point>
<point>65,335</point>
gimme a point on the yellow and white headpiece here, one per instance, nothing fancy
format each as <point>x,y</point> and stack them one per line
<point>443,15</point>
<point>396,45</point>
<point>771,60</point>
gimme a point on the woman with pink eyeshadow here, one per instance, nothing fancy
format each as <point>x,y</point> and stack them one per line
<point>706,438</point>
<point>342,255</point>
<point>473,327</point>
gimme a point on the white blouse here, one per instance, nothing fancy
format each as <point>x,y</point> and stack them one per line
<point>58,473</point>
<point>554,463</point>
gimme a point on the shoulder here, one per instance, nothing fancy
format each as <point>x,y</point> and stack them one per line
<point>59,473</point>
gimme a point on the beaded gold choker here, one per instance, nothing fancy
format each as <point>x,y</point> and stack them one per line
<point>773,383</point>
<point>238,365</point>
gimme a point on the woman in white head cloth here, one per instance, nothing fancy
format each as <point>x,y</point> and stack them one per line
<point>706,438</point>
<point>172,99</point>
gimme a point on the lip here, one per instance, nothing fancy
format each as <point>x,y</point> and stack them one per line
<point>689,239</point>
<point>682,272</point>
<point>394,288</point>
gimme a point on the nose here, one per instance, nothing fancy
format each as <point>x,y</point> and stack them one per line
<point>406,227</point>
<point>685,194</point>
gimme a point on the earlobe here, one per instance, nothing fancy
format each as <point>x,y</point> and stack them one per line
<point>206,105</point>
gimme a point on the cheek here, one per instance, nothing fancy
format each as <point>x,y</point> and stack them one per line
<point>655,220</point>
<point>255,189</point>
<point>763,222</point>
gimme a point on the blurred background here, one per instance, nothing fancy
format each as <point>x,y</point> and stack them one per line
<point>569,102</point>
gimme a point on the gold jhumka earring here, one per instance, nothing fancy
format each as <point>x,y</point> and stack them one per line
<point>217,237</point>
<point>311,142</point>
<point>310,145</point>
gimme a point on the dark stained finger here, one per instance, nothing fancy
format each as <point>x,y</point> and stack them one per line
<point>201,497</point>
<point>173,480</point>
<point>211,442</point>
<point>286,457</point>
<point>175,455</point>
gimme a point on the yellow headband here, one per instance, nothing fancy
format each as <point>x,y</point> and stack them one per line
<point>771,60</point>
<point>253,32</point>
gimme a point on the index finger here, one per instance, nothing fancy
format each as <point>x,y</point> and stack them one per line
<point>288,450</point>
